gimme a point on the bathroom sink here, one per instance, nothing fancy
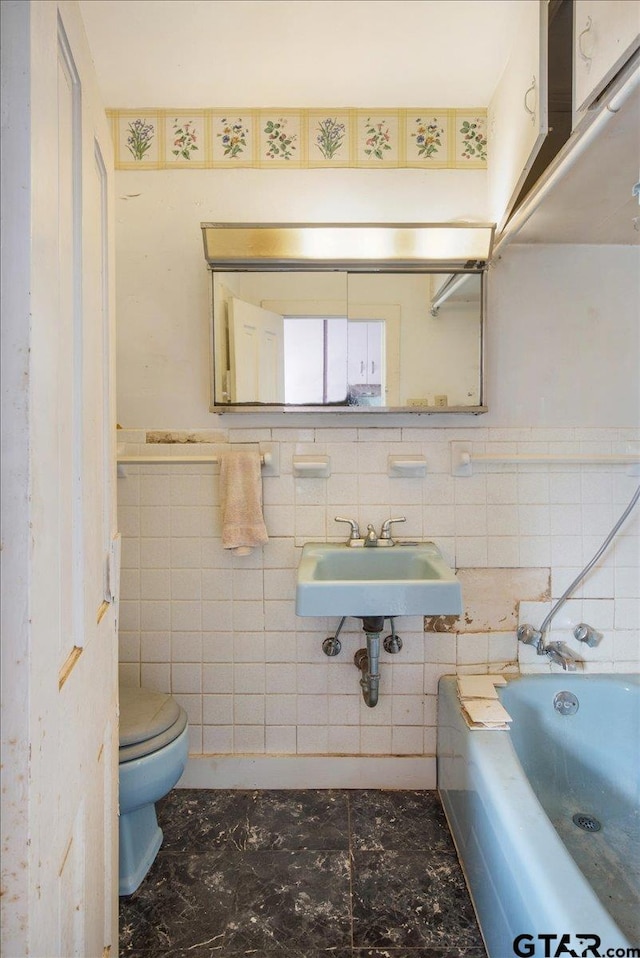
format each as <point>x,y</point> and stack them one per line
<point>413,579</point>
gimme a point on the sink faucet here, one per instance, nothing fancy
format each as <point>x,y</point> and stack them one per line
<point>384,539</point>
<point>371,538</point>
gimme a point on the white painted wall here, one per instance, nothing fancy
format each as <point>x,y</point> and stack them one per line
<point>563,337</point>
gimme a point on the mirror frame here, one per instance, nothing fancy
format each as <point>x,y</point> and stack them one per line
<point>287,247</point>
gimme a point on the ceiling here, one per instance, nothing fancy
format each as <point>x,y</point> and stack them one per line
<point>298,53</point>
<point>324,53</point>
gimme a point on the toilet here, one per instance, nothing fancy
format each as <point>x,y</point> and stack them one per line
<point>153,755</point>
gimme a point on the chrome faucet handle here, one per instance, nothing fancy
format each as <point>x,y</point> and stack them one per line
<point>585,633</point>
<point>386,525</point>
<point>530,636</point>
<point>355,528</point>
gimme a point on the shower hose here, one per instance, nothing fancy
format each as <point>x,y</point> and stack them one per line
<point>565,595</point>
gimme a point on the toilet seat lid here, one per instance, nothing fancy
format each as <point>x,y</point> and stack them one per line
<point>145,714</point>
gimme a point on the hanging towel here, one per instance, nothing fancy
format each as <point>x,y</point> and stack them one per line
<point>241,499</point>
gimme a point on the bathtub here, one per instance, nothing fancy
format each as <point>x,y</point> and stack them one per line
<point>510,798</point>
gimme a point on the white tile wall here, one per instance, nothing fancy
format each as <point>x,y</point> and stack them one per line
<point>220,631</point>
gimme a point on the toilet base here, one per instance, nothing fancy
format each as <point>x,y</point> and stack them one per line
<point>143,782</point>
<point>140,838</point>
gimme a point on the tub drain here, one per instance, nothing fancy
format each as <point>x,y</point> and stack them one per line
<point>587,822</point>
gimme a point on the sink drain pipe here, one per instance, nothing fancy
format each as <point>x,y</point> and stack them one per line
<point>367,660</point>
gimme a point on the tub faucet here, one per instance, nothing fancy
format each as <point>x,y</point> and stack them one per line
<point>557,652</point>
<point>561,655</point>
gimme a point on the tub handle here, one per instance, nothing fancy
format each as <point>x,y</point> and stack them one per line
<point>585,633</point>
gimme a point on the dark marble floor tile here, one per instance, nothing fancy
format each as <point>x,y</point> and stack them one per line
<point>206,951</point>
<point>285,952</point>
<point>407,899</point>
<point>292,900</point>
<point>418,953</point>
<point>296,874</point>
<point>386,820</point>
<point>181,896</point>
<point>299,819</point>
<point>199,819</point>
<point>232,902</point>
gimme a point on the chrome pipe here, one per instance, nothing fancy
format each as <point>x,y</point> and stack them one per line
<point>367,660</point>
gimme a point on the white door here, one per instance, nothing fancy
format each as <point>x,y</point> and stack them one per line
<point>517,114</point>
<point>256,345</point>
<point>60,555</point>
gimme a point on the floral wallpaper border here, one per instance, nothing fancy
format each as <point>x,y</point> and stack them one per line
<point>428,138</point>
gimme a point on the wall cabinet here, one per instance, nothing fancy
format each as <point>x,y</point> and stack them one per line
<point>364,363</point>
<point>517,115</point>
<point>564,56</point>
<point>606,34</point>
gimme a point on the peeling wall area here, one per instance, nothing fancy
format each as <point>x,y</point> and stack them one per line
<point>492,598</point>
<point>181,436</point>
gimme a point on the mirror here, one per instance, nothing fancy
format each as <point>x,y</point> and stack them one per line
<point>367,339</point>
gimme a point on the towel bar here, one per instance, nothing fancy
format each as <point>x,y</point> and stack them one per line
<point>462,458</point>
<point>269,460</point>
<point>125,460</point>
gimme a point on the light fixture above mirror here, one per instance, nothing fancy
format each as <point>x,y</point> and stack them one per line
<point>436,247</point>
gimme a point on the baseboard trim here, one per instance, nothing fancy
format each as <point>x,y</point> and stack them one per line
<point>296,771</point>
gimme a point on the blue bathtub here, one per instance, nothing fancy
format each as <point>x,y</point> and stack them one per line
<point>539,880</point>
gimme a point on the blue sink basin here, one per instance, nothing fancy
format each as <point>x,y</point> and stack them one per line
<point>336,579</point>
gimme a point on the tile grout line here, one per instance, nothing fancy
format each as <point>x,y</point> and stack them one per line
<point>350,850</point>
